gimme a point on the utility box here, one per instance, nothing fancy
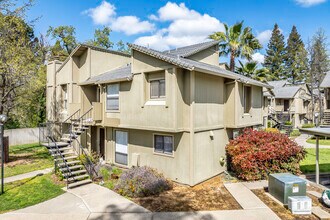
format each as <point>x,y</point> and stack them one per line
<point>300,205</point>
<point>283,185</point>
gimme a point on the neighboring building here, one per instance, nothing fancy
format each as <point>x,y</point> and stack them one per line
<point>290,102</point>
<point>325,85</point>
<point>173,110</point>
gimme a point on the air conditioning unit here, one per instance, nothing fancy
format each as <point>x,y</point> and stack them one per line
<point>300,205</point>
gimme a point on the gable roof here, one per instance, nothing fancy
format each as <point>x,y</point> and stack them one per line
<point>196,65</point>
<point>326,81</point>
<point>286,92</point>
<point>82,47</point>
<point>192,49</point>
<point>123,73</point>
<point>278,83</point>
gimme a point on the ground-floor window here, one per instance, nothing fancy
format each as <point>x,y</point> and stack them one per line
<point>163,144</point>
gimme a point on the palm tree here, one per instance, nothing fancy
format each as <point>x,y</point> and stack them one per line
<point>250,69</point>
<point>237,42</point>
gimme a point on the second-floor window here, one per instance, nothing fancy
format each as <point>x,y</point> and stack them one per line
<point>157,89</point>
<point>113,97</point>
<point>65,96</point>
<point>247,98</point>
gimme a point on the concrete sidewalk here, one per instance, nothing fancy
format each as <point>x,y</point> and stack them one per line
<point>301,141</point>
<point>93,202</point>
<point>249,201</point>
<point>27,175</point>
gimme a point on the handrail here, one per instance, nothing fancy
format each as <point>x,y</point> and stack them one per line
<point>71,116</point>
<point>91,164</point>
<point>63,159</point>
<point>81,117</point>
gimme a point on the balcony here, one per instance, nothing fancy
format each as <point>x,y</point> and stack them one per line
<point>97,112</point>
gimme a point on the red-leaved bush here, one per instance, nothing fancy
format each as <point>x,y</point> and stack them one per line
<point>255,154</point>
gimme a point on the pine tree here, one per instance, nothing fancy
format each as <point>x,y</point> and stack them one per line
<point>275,54</point>
<point>319,64</point>
<point>296,62</point>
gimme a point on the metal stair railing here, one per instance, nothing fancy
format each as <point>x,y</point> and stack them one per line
<point>90,165</point>
<point>70,118</point>
<point>59,153</point>
<point>85,116</point>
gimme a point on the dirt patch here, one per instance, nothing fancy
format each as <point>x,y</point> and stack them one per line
<point>207,196</point>
<point>316,200</point>
<point>280,210</point>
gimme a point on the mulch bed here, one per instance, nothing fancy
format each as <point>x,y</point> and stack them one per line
<point>207,196</point>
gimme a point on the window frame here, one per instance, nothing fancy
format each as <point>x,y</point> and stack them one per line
<point>245,111</point>
<point>159,97</point>
<point>162,153</point>
<point>112,97</point>
<point>65,96</point>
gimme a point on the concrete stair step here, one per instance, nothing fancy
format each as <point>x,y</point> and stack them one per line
<point>69,163</point>
<point>79,183</point>
<point>67,158</point>
<point>73,173</point>
<point>84,176</point>
<point>73,136</point>
<point>68,140</point>
<point>54,154</point>
<point>58,144</point>
<point>65,170</point>
<point>60,149</point>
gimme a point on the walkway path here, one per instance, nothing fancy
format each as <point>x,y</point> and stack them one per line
<point>91,202</point>
<point>27,175</point>
<point>301,141</point>
<point>249,201</point>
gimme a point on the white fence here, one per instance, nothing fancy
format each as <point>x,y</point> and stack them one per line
<point>22,136</point>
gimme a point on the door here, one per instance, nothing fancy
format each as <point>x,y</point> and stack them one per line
<point>121,147</point>
<point>102,146</point>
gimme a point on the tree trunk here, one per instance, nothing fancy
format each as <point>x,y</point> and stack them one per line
<point>232,61</point>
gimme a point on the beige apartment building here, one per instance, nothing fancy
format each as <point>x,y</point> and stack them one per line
<point>171,110</point>
<point>290,102</point>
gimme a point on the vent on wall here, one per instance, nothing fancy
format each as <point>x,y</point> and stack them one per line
<point>135,160</point>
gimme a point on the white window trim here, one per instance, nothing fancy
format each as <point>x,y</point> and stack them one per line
<point>155,102</point>
<point>163,154</point>
<point>112,96</point>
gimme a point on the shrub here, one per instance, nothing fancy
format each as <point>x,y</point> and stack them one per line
<point>308,126</point>
<point>272,130</point>
<point>105,173</point>
<point>295,133</point>
<point>142,181</point>
<point>288,123</point>
<point>255,154</point>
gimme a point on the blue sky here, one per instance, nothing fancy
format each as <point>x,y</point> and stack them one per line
<point>169,24</point>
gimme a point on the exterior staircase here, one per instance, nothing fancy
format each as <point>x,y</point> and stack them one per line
<point>272,117</point>
<point>66,157</point>
<point>326,118</point>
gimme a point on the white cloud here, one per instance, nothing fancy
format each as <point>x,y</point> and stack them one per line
<point>258,57</point>
<point>131,25</point>
<point>105,14</point>
<point>264,36</point>
<point>186,27</point>
<point>309,3</point>
<point>102,14</point>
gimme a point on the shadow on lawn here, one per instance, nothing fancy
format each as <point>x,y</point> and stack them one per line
<point>19,183</point>
<point>310,168</point>
<point>116,212</point>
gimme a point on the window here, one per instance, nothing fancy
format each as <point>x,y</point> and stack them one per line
<point>286,105</point>
<point>65,96</point>
<point>157,89</point>
<point>113,97</point>
<point>163,144</point>
<point>247,98</point>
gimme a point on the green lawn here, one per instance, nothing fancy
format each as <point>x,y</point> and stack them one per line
<point>308,164</point>
<point>322,141</point>
<point>23,193</point>
<point>27,158</point>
